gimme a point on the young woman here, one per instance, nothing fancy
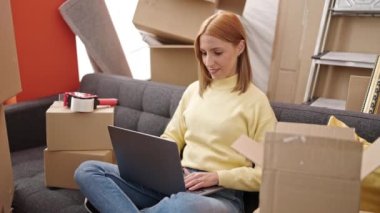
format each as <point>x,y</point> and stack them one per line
<point>212,114</point>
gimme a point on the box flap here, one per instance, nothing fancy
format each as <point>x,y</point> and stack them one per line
<point>315,130</point>
<point>253,150</point>
<point>371,159</point>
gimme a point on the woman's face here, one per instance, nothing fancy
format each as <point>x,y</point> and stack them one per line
<point>219,57</point>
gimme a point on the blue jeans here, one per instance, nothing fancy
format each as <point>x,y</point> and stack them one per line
<point>101,183</point>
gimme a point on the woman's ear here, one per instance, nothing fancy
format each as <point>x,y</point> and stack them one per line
<point>241,46</point>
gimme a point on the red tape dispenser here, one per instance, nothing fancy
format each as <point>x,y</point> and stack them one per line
<point>85,102</point>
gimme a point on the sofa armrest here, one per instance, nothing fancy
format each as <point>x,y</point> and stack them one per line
<point>26,123</point>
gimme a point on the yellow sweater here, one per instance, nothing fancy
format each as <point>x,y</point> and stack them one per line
<point>206,127</point>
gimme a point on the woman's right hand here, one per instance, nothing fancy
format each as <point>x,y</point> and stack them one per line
<point>198,180</point>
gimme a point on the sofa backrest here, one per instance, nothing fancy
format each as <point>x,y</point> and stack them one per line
<point>147,106</point>
<point>366,125</point>
<point>143,106</point>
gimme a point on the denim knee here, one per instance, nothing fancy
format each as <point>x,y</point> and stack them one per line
<point>84,170</point>
<point>188,202</point>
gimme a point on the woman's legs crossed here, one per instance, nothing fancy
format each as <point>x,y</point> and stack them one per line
<point>101,183</point>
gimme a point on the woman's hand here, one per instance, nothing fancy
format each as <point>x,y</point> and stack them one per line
<point>197,180</point>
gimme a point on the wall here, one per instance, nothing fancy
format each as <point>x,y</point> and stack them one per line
<point>46,49</point>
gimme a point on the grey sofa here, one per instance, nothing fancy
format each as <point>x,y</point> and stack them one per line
<point>143,106</point>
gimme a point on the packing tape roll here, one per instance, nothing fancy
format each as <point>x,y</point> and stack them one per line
<point>82,105</point>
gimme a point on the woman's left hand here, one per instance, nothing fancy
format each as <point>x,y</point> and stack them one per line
<point>198,180</point>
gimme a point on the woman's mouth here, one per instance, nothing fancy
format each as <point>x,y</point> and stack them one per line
<point>213,71</point>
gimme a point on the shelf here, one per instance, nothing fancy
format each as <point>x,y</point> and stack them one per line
<point>329,103</point>
<point>358,7</point>
<point>347,59</point>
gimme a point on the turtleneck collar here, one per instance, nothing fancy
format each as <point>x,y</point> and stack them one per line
<point>225,83</point>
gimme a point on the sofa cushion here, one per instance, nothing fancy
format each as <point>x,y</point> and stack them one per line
<point>31,195</point>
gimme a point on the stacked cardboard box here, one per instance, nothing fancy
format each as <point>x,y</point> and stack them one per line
<point>176,23</point>
<point>10,85</point>
<point>310,168</point>
<point>72,138</point>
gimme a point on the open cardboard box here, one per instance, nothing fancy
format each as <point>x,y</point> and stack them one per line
<point>310,168</point>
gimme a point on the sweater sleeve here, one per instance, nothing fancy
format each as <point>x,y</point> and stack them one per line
<point>176,128</point>
<point>241,178</point>
<point>262,120</point>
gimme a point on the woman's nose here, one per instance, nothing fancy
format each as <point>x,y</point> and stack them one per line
<point>209,60</point>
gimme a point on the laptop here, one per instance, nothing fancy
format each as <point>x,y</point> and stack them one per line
<point>151,161</point>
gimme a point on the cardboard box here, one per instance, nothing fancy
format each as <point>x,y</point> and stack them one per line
<point>357,89</point>
<point>67,130</point>
<point>310,169</point>
<point>61,165</point>
<point>235,6</point>
<point>173,64</point>
<point>177,21</point>
<point>6,174</point>
<point>9,74</point>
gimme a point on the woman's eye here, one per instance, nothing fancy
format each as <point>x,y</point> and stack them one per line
<point>203,53</point>
<point>218,53</point>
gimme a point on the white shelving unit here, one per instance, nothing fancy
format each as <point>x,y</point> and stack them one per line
<point>335,58</point>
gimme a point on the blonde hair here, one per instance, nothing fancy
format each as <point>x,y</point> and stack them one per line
<point>227,27</point>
